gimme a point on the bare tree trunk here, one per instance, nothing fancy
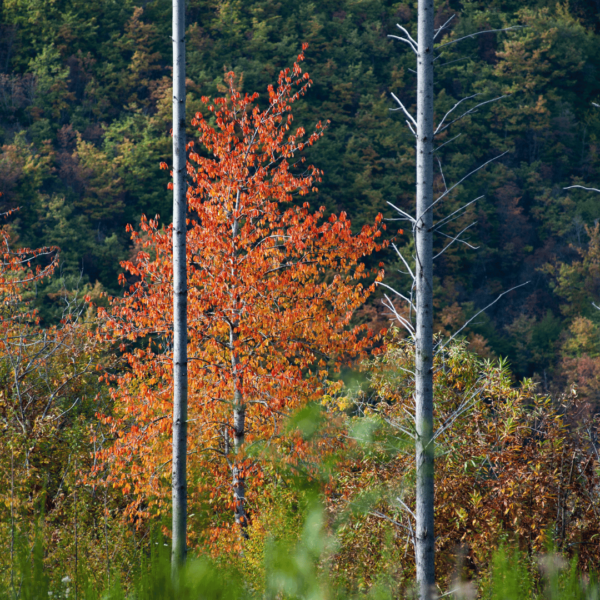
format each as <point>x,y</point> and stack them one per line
<point>424,512</point>
<point>239,480</point>
<point>76,580</point>
<point>239,432</point>
<point>239,407</point>
<point>12,521</point>
<point>180,378</point>
<point>422,283</point>
<point>106,534</point>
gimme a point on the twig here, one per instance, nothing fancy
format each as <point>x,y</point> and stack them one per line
<point>396,292</point>
<point>396,37</point>
<point>407,34</point>
<point>410,272</point>
<point>448,219</point>
<point>452,109</point>
<point>456,239</point>
<point>439,128</point>
<point>482,310</point>
<point>582,187</point>
<point>439,198</point>
<point>411,118</point>
<point>405,214</point>
<point>447,142</point>
<point>471,35</point>
<point>442,27</point>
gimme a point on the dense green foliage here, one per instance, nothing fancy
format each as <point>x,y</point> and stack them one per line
<point>85,120</point>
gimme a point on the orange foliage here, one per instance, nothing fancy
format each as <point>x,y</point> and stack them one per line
<point>508,467</point>
<point>272,291</point>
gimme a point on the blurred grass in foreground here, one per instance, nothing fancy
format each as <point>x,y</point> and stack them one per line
<point>293,572</point>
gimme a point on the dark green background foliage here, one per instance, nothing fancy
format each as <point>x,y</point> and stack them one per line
<point>85,120</point>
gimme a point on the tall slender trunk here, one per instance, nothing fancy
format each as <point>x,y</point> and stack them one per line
<point>180,375</point>
<point>424,291</point>
<point>106,534</point>
<point>239,432</point>
<point>239,407</point>
<point>12,521</point>
<point>75,578</point>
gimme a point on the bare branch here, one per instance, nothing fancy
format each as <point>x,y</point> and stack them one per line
<point>440,29</point>
<point>582,187</point>
<point>451,62</point>
<point>396,292</point>
<point>449,218</point>
<point>450,111</point>
<point>385,285</point>
<point>410,272</point>
<point>439,198</point>
<point>464,406</point>
<point>405,507</point>
<point>397,37</point>
<point>468,112</point>
<point>447,142</point>
<point>409,528</point>
<point>449,592</point>
<point>407,34</point>
<point>478,313</point>
<point>405,214</point>
<point>471,35</point>
<point>401,428</point>
<point>456,239</point>
<point>411,118</point>
<point>442,173</point>
<point>404,322</point>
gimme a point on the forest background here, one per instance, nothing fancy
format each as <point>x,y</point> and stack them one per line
<point>85,116</point>
<point>85,113</point>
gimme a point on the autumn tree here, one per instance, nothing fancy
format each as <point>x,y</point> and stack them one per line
<point>508,466</point>
<point>272,286</point>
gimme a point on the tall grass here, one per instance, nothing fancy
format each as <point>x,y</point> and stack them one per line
<point>293,572</point>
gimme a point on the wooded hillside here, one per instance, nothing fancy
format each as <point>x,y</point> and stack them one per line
<point>84,122</point>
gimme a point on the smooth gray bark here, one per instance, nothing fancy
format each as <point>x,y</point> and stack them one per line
<point>239,432</point>
<point>239,407</point>
<point>424,510</point>
<point>180,367</point>
<point>423,534</point>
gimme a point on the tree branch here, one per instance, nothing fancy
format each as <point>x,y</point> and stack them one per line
<point>581,187</point>
<point>439,128</point>
<point>471,35</point>
<point>439,198</point>
<point>411,118</point>
<point>478,313</point>
<point>440,29</point>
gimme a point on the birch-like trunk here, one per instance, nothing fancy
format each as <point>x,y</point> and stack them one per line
<point>239,432</point>
<point>180,375</point>
<point>424,542</point>
<point>239,407</point>
<point>239,480</point>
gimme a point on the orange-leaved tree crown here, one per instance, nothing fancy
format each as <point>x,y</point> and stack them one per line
<point>273,287</point>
